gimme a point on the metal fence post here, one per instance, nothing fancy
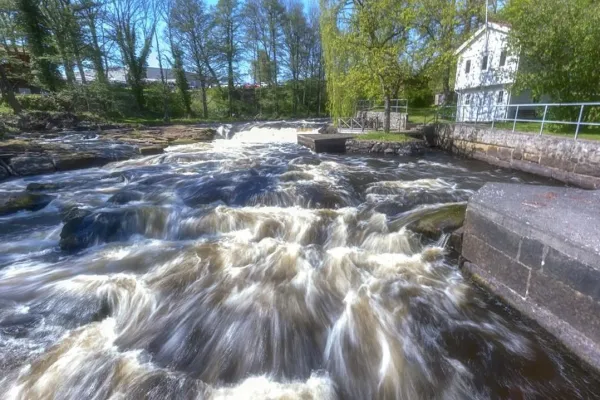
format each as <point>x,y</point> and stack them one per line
<point>494,116</point>
<point>579,120</point>
<point>544,119</point>
<point>515,121</point>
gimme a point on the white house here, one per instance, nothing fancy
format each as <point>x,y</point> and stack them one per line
<point>485,72</point>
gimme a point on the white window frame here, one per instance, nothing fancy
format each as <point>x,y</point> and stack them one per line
<point>486,58</point>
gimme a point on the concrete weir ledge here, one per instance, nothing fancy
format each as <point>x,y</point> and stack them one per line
<point>538,248</point>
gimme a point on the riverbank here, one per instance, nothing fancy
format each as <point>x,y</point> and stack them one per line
<point>42,152</point>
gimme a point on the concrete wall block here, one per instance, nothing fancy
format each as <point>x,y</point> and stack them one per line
<point>588,168</point>
<point>572,272</point>
<point>531,157</point>
<point>578,309</point>
<point>484,229</point>
<point>531,253</point>
<point>505,269</point>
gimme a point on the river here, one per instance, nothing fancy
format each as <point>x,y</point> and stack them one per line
<point>252,268</point>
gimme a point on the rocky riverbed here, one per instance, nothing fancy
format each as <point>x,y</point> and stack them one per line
<point>42,152</point>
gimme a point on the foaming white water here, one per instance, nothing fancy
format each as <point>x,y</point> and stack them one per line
<point>258,134</point>
<point>252,268</point>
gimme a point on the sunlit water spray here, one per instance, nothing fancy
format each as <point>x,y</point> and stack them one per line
<point>251,268</point>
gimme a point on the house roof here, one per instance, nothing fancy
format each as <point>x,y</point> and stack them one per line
<point>497,26</point>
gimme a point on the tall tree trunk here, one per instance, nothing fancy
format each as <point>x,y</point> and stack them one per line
<point>230,87</point>
<point>8,94</point>
<point>274,47</point>
<point>97,53</point>
<point>164,82</point>
<point>80,68</point>
<point>204,101</point>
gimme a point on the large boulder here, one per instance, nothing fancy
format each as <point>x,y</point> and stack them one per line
<point>32,164</point>
<point>446,219</point>
<point>13,203</point>
<point>84,230</point>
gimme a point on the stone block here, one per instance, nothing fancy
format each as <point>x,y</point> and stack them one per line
<point>531,252</point>
<point>531,157</point>
<point>517,154</point>
<point>504,153</point>
<point>490,232</point>
<point>573,273</point>
<point>505,269</point>
<point>556,162</point>
<point>587,169</point>
<point>578,309</point>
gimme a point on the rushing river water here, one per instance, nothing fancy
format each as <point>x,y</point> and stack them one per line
<point>251,268</point>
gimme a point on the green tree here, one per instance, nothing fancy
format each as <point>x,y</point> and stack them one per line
<point>366,45</point>
<point>132,26</point>
<point>558,43</point>
<point>39,40</point>
<point>191,26</point>
<point>12,54</point>
<point>227,24</point>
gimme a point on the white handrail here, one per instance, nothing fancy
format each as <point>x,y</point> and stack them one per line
<point>466,113</point>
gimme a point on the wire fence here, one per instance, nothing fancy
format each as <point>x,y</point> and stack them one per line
<point>524,117</point>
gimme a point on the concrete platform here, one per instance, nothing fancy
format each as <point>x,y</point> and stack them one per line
<point>324,143</point>
<point>538,248</point>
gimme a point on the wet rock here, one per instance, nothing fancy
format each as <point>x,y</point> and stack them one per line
<point>440,220</point>
<point>305,161</point>
<point>73,212</point>
<point>151,150</point>
<point>192,133</point>
<point>67,162</point>
<point>3,173</point>
<point>40,187</point>
<point>13,203</point>
<point>125,197</point>
<point>86,230</point>
<point>42,120</point>
<point>32,164</point>
<point>410,147</point>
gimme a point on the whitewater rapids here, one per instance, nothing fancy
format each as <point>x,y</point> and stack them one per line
<point>251,268</point>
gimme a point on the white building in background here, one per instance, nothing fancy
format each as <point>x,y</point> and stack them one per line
<point>485,73</point>
<point>119,75</point>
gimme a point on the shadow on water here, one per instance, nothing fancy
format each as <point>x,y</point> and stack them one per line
<point>252,268</point>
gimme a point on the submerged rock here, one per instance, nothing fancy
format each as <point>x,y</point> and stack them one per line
<point>125,197</point>
<point>39,186</point>
<point>440,220</point>
<point>24,202</point>
<point>85,229</point>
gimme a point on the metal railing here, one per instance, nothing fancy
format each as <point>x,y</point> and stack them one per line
<point>360,124</point>
<point>519,113</point>
<point>396,105</point>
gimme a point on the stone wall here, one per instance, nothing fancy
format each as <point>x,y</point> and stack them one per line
<point>564,159</point>
<point>538,248</point>
<point>397,120</point>
<point>409,147</point>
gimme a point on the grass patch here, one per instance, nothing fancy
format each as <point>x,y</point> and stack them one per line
<point>384,137</point>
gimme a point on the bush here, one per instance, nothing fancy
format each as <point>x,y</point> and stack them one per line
<point>38,102</point>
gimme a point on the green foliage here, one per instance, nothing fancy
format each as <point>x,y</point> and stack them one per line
<point>38,36</point>
<point>366,48</point>
<point>558,41</point>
